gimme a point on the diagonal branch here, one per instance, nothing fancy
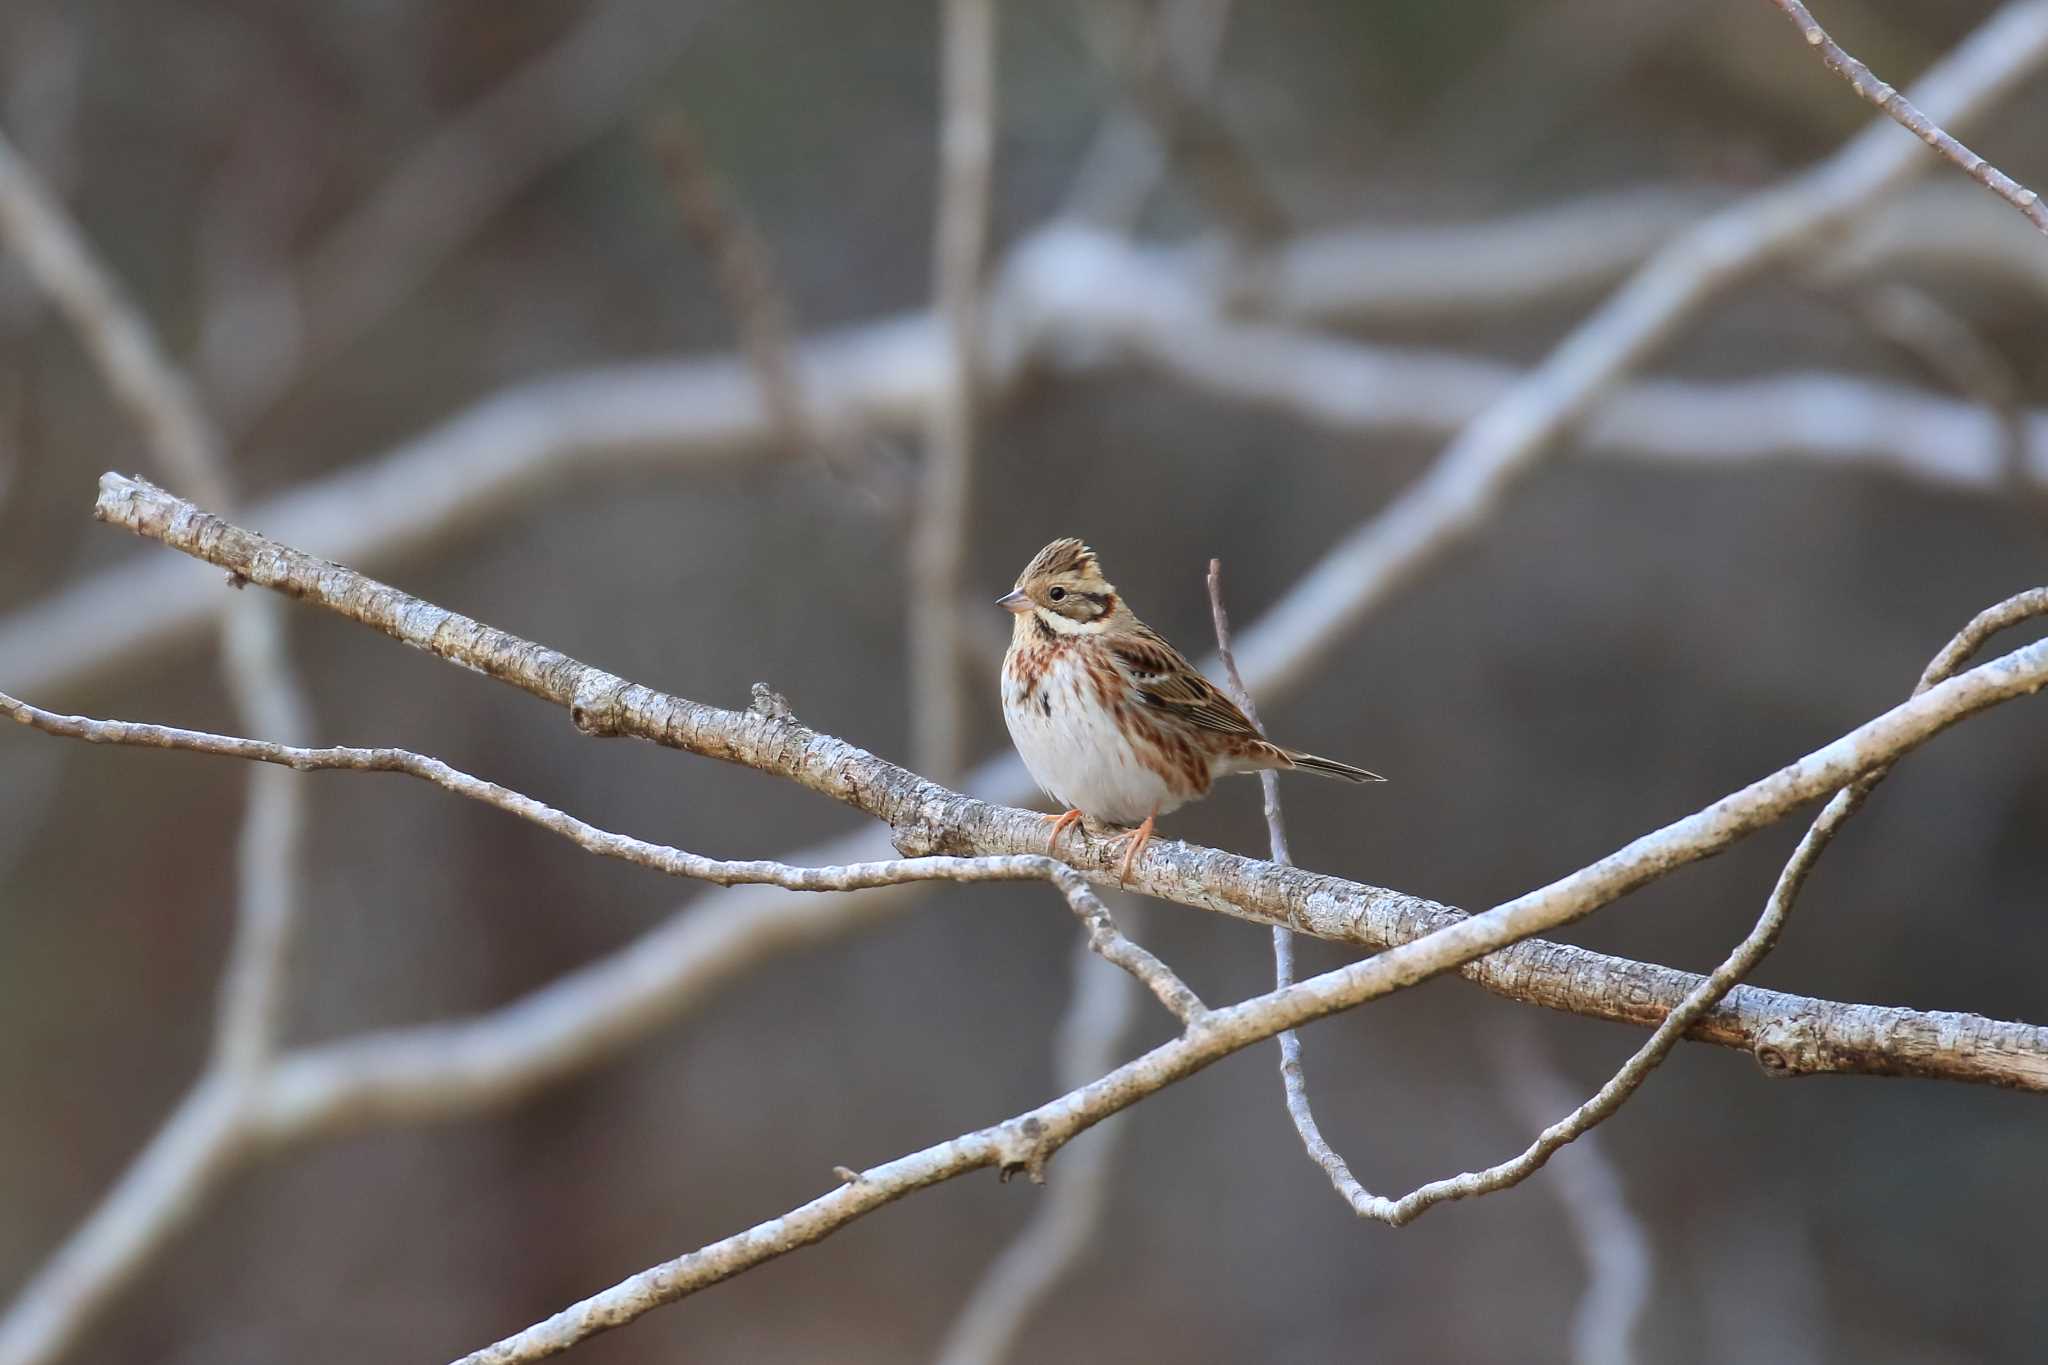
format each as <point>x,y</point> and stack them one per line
<point>1902,111</point>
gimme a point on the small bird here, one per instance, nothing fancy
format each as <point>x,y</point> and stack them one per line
<point>1111,721</point>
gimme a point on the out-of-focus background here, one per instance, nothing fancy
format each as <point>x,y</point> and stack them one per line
<point>288,192</point>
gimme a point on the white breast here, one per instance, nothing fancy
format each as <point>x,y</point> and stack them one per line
<point>1075,752</point>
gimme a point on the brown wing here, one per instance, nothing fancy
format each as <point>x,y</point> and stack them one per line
<point>1169,683</point>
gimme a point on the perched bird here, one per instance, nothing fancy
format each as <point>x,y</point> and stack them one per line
<point>1112,722</point>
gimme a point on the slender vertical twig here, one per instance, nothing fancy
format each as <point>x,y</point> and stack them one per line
<point>1293,1078</point>
<point>743,267</point>
<point>967,115</point>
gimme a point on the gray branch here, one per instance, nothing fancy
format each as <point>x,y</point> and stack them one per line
<point>1790,1034</point>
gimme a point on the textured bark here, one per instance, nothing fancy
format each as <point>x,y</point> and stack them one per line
<point>1788,1034</point>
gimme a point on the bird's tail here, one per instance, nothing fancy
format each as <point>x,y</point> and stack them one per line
<point>1330,767</point>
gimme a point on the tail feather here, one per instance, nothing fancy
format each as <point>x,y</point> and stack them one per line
<point>1330,767</point>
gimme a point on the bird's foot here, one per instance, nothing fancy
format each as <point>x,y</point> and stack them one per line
<point>1135,844</point>
<point>1059,827</point>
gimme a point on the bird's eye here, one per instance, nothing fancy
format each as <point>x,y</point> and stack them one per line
<point>1058,594</point>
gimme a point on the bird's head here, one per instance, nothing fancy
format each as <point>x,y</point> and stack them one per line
<point>1063,589</point>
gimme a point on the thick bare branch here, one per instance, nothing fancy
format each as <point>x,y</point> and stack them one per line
<point>1790,1034</point>
<point>1902,111</point>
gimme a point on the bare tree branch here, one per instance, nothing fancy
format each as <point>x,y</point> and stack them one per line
<point>927,818</point>
<point>1902,111</point>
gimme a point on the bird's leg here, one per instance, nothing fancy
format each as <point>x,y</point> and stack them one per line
<point>1059,827</point>
<point>1137,840</point>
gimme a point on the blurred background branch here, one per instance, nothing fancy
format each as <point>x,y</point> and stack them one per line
<point>170,1178</point>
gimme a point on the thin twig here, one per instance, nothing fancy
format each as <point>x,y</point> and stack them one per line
<point>1102,934</point>
<point>744,268</point>
<point>1902,111</point>
<point>1293,1079</point>
<point>463,173</point>
<point>1163,59</point>
<point>1953,351</point>
<point>938,559</point>
<point>1753,948</point>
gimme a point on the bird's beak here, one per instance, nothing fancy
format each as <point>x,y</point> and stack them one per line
<point>1014,601</point>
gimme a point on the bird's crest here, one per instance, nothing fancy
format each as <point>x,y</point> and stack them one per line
<point>1065,556</point>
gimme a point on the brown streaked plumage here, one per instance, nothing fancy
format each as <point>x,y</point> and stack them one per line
<point>1111,720</point>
